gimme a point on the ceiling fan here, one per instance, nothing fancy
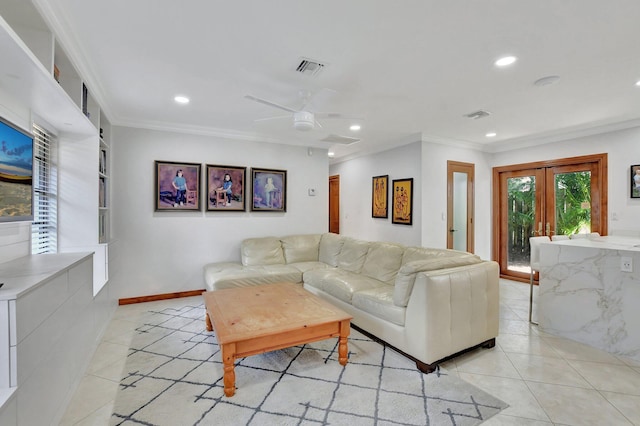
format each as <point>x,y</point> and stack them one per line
<point>303,119</point>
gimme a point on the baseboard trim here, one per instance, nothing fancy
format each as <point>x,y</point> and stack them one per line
<point>156,297</point>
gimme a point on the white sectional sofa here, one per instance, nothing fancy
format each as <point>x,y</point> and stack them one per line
<point>430,304</point>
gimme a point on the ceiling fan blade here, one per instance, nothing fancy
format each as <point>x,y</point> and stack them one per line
<point>272,118</point>
<point>336,115</point>
<point>269,103</point>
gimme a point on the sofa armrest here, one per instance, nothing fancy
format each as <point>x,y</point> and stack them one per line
<point>453,309</point>
<point>211,270</point>
<point>407,274</point>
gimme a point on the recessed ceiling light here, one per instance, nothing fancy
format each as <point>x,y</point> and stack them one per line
<point>331,154</point>
<point>491,134</point>
<point>354,127</point>
<point>638,83</point>
<point>506,61</point>
<point>545,81</point>
<point>181,99</point>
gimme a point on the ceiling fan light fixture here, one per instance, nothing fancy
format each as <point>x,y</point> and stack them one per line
<point>303,121</point>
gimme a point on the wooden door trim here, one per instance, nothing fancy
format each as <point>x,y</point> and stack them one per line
<point>334,179</point>
<point>601,163</point>
<point>469,169</point>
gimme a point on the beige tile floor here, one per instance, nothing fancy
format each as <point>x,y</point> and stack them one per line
<point>546,380</point>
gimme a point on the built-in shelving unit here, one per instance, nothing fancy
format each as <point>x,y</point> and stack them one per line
<point>104,158</point>
<point>39,80</point>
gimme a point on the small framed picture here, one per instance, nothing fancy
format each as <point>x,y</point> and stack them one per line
<point>177,186</point>
<point>379,196</point>
<point>226,188</point>
<point>269,190</point>
<point>402,205</point>
<point>635,181</point>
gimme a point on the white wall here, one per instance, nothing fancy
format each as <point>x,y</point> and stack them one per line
<point>355,194</point>
<point>434,175</point>
<point>163,252</point>
<point>430,228</point>
<point>426,162</point>
<point>623,149</point>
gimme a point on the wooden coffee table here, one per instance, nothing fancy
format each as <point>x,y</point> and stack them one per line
<point>253,320</point>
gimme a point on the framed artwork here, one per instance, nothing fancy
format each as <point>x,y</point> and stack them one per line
<point>635,181</point>
<point>269,190</point>
<point>226,188</point>
<point>379,196</point>
<point>177,186</point>
<point>402,204</point>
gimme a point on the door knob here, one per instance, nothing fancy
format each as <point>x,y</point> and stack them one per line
<point>452,230</point>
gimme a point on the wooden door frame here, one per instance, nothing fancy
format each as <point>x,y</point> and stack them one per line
<point>601,164</point>
<point>469,170</point>
<point>334,178</point>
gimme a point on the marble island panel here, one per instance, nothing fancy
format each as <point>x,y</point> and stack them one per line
<point>585,296</point>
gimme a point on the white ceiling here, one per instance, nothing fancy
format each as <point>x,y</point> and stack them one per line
<point>410,69</point>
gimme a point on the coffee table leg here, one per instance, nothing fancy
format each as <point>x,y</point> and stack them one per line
<point>228,352</point>
<point>343,349</point>
<point>207,321</point>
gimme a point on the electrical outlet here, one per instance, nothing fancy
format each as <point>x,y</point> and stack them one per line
<point>626,264</point>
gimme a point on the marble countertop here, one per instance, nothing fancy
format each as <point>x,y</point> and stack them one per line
<point>613,242</point>
<point>26,273</point>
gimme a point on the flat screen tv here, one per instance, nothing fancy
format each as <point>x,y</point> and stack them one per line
<point>16,173</point>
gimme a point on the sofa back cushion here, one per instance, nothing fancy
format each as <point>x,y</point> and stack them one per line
<point>353,255</point>
<point>301,248</point>
<point>383,261</point>
<point>412,254</point>
<point>261,251</point>
<point>330,247</point>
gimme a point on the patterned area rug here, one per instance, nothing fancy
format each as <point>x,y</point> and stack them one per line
<point>173,376</point>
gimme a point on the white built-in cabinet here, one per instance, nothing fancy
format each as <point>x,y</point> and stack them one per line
<point>51,326</point>
<point>37,75</point>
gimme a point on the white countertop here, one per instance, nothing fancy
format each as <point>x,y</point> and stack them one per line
<point>26,273</point>
<point>612,242</point>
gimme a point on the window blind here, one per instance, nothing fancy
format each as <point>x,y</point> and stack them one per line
<point>44,229</point>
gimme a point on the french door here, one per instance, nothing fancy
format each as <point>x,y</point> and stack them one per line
<point>565,196</point>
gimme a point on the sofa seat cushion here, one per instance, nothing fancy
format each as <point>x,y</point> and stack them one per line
<point>262,251</point>
<point>301,248</point>
<point>379,302</point>
<point>251,276</point>
<point>339,283</point>
<point>407,274</point>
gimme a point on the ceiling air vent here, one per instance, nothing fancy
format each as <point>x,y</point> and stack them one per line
<point>309,67</point>
<point>344,140</point>
<point>478,114</point>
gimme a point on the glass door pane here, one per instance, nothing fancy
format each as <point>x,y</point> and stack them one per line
<point>572,203</point>
<point>460,211</point>
<point>521,208</point>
